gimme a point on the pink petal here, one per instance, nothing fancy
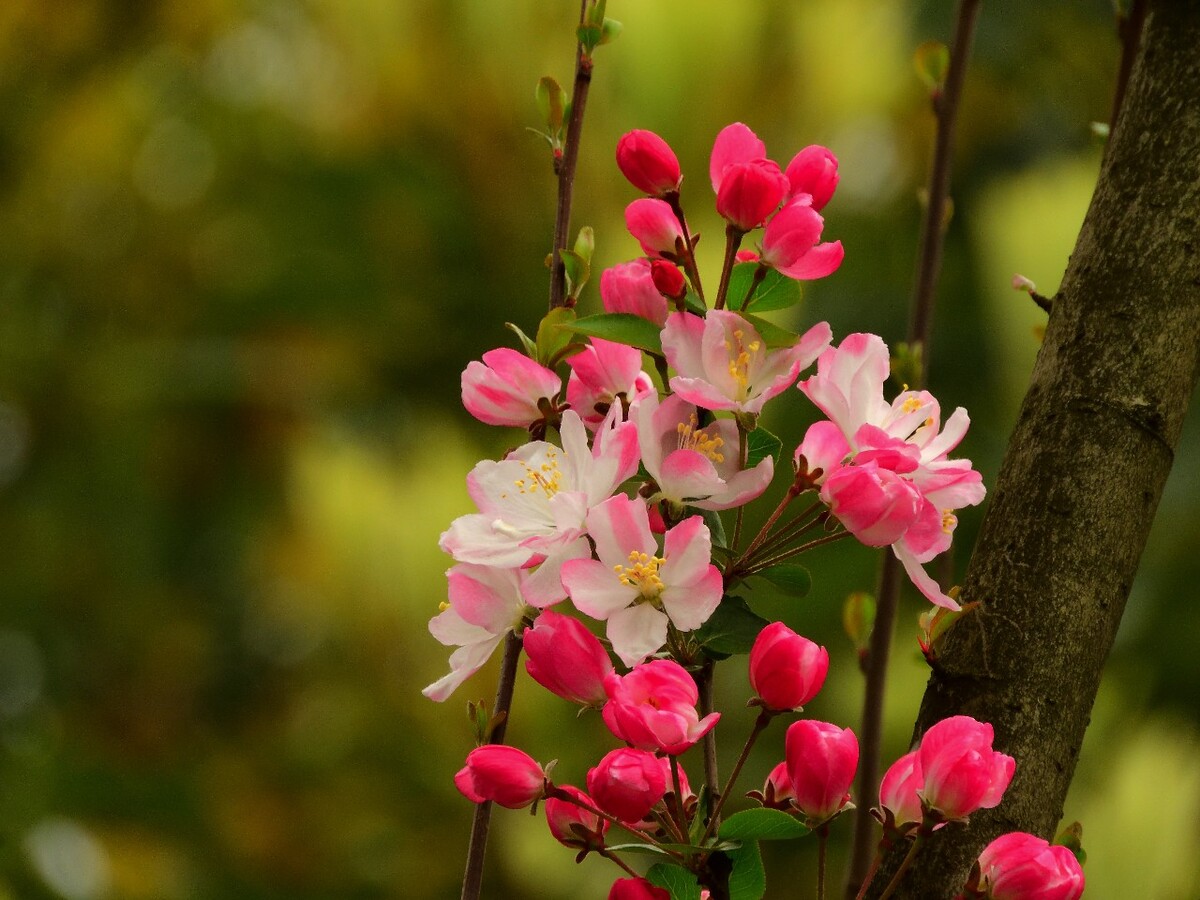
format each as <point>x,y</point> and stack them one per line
<point>735,143</point>
<point>689,606</point>
<point>594,589</point>
<point>742,487</point>
<point>637,632</point>
<point>687,549</point>
<point>926,585</point>
<point>464,662</point>
<point>681,340</point>
<point>688,476</point>
<point>619,526</point>
<point>821,260</point>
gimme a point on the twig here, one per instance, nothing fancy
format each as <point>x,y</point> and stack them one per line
<point>763,720</point>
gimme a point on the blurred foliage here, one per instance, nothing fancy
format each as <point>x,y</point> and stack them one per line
<point>247,246</point>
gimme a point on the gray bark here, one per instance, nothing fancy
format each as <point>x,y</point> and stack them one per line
<point>1086,465</point>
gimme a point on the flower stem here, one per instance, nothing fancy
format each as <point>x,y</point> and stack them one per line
<point>704,684</point>
<point>792,493</point>
<point>862,891</point>
<point>764,719</point>
<point>743,451</point>
<point>566,171</point>
<point>473,877</point>
<point>759,274</point>
<point>597,811</point>
<point>822,843</point>
<point>795,551</point>
<point>689,258</point>
<point>733,240</point>
<point>789,531</point>
<point>620,862</point>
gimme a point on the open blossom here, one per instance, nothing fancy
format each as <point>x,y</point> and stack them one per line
<point>485,604</point>
<point>503,774</point>
<point>694,465</point>
<point>909,488</point>
<point>791,243</point>
<point>533,504</point>
<point>506,387</point>
<point>633,588</point>
<point>629,288</point>
<point>961,772</point>
<point>600,374</point>
<point>567,659</point>
<point>1020,866</point>
<point>648,162</point>
<point>724,364</point>
<point>821,762</point>
<point>654,707</point>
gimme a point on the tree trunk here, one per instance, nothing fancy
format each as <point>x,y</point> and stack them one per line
<point>1086,464</point>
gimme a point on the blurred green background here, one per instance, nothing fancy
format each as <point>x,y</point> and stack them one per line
<point>246,248</point>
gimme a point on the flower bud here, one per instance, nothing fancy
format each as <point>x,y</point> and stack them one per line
<point>821,762</point>
<point>668,279</point>
<point>750,191</point>
<point>654,225</point>
<point>629,288</point>
<point>648,162</point>
<point>654,707</point>
<point>636,889</point>
<point>572,825</point>
<point>786,669</point>
<point>898,791</point>
<point>813,171</point>
<point>777,790</point>
<point>627,783</point>
<point>567,659</point>
<point>962,773</point>
<point>505,388</point>
<point>1020,866</point>
<point>875,504</point>
<point>790,244</point>
<point>503,774</point>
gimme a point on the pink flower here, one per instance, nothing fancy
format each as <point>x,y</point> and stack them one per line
<point>654,707</point>
<point>602,373</point>
<point>629,288</point>
<point>750,192</point>
<point>567,659</point>
<point>637,889</point>
<point>654,225</point>
<point>633,588</point>
<point>503,774</point>
<point>786,669</point>
<point>573,825</point>
<point>627,783</point>
<point>1020,866</point>
<point>813,171</point>
<point>723,363</point>
<point>898,791</point>
<point>648,162</point>
<point>485,604</point>
<point>875,504</point>
<point>506,387</point>
<point>692,465</point>
<point>962,773</point>
<point>790,243</point>
<point>533,504</point>
<point>821,762</point>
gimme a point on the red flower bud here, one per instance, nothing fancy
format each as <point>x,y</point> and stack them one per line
<point>821,762</point>
<point>567,659</point>
<point>572,825</point>
<point>501,773</point>
<point>636,889</point>
<point>786,669</point>
<point>654,225</point>
<point>962,773</point>
<point>627,783</point>
<point>1020,866</point>
<point>668,279</point>
<point>648,162</point>
<point>750,191</point>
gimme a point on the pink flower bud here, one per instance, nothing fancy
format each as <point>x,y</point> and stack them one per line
<point>790,243</point>
<point>629,288</point>
<point>654,707</point>
<point>962,773</point>
<point>821,762</point>
<point>824,447</point>
<point>786,670</point>
<point>898,790</point>
<point>654,225</point>
<point>636,889</point>
<point>627,783</point>
<point>777,790</point>
<point>567,659</point>
<point>668,279</point>
<point>875,504</point>
<point>813,171</point>
<point>746,256</point>
<point>750,191</point>
<point>648,162</point>
<point>572,825</point>
<point>501,773</point>
<point>1020,866</point>
<point>505,388</point>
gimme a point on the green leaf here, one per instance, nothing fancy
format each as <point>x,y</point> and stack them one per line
<point>551,336</point>
<point>551,99</point>
<point>577,269</point>
<point>748,880</point>
<point>610,30</point>
<point>762,825</point>
<point>731,629</point>
<point>585,243</point>
<point>932,62</point>
<point>774,291</point>
<point>790,578</point>
<point>760,444</point>
<point>775,336</point>
<point>526,340</point>
<point>858,618</point>
<point>679,881</point>
<point>716,528</point>
<point>624,328</point>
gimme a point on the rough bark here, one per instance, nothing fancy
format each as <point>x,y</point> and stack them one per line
<point>1085,468</point>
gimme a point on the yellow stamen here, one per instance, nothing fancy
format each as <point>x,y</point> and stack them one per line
<point>949,520</point>
<point>741,356</point>
<point>545,479</point>
<point>642,573</point>
<point>443,606</point>
<point>693,438</point>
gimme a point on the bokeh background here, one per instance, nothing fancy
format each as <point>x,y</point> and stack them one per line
<point>247,247</point>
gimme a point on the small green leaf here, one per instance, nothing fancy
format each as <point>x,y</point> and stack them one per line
<point>774,291</point>
<point>694,303</point>
<point>526,341</point>
<point>775,336</point>
<point>790,578</point>
<point>762,825</point>
<point>858,618</point>
<point>551,99</point>
<point>552,337</point>
<point>748,880</point>
<point>731,629</point>
<point>590,36</point>
<point>677,880</point>
<point>610,30</point>
<point>932,62</point>
<point>716,528</point>
<point>578,270</point>
<point>585,244</point>
<point>760,444</point>
<point>624,328</point>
